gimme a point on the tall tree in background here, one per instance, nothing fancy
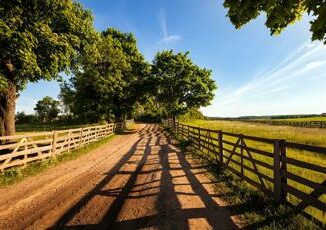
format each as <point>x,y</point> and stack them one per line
<point>132,86</point>
<point>38,39</point>
<point>181,85</point>
<point>47,109</point>
<point>279,14</point>
<point>112,78</point>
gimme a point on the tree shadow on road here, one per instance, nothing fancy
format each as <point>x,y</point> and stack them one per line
<point>182,200</point>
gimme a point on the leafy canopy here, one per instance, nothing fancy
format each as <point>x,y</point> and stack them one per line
<point>41,38</point>
<point>180,84</point>
<point>47,109</point>
<point>280,14</point>
<point>111,79</point>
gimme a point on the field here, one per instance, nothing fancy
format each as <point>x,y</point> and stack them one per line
<point>40,127</point>
<point>306,119</point>
<point>309,136</point>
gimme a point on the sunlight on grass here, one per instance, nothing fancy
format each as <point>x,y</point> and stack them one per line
<point>316,137</point>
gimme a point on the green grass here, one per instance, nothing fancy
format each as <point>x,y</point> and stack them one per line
<point>307,119</point>
<point>37,127</point>
<point>316,137</point>
<point>14,175</point>
<point>255,209</point>
<point>309,136</point>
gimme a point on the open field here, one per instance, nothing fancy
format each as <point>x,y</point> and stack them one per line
<point>305,119</point>
<point>261,173</point>
<point>309,136</point>
<point>310,122</point>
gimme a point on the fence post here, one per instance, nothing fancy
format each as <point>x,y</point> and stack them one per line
<point>279,153</point>
<point>188,134</point>
<point>242,145</point>
<point>283,169</point>
<point>183,131</point>
<point>54,143</point>
<point>220,146</point>
<point>81,137</point>
<point>199,142</point>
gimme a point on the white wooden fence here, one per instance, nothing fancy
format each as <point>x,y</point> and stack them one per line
<point>19,150</point>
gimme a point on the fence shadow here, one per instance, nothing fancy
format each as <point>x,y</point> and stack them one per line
<point>181,199</point>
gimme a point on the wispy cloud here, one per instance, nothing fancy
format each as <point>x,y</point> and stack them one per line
<point>167,38</point>
<point>296,85</point>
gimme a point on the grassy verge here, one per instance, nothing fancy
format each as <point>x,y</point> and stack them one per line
<point>255,210</point>
<point>18,174</point>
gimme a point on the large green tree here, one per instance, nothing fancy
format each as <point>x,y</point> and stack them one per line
<point>180,84</point>
<point>38,40</point>
<point>112,78</point>
<point>47,109</point>
<point>133,83</point>
<point>279,13</point>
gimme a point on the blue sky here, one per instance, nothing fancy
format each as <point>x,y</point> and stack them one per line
<point>256,74</point>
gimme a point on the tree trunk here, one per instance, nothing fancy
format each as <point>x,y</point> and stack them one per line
<point>8,100</point>
<point>8,110</point>
<point>120,117</point>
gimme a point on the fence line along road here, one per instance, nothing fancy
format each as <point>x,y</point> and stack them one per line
<point>19,150</point>
<point>276,167</point>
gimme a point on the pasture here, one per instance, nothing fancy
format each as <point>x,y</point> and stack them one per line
<point>302,119</point>
<point>309,136</point>
<point>261,151</point>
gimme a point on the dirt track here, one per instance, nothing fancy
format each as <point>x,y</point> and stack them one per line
<point>135,181</point>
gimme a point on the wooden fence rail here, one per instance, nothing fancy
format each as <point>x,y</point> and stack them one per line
<point>19,150</point>
<point>272,166</point>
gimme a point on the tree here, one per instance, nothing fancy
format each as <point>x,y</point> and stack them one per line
<point>192,114</point>
<point>67,98</point>
<point>279,14</point>
<point>47,109</point>
<point>38,40</point>
<point>181,85</point>
<point>132,85</point>
<point>22,118</point>
<point>111,80</point>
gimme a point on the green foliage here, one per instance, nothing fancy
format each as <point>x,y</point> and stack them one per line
<point>279,14</point>
<point>22,118</point>
<point>149,110</point>
<point>42,37</point>
<point>38,40</point>
<point>180,84</point>
<point>47,109</point>
<point>112,79</point>
<point>193,114</point>
<point>67,99</point>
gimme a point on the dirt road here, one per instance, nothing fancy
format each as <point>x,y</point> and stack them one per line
<point>136,181</point>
